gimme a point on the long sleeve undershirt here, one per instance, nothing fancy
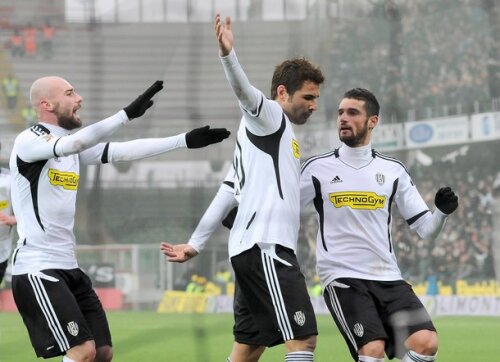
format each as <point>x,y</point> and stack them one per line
<point>220,206</point>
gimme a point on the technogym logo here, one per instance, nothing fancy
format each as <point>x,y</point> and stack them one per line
<point>68,180</point>
<point>357,200</point>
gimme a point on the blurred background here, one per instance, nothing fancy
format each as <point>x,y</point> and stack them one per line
<point>433,64</point>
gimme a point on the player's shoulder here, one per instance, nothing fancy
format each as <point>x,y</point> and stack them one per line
<point>317,159</point>
<point>389,161</point>
<point>33,132</point>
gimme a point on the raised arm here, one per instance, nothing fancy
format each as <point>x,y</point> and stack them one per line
<point>248,96</point>
<point>48,146</point>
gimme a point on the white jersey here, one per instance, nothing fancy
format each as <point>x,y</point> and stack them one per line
<point>353,191</point>
<point>44,200</point>
<point>44,187</point>
<point>6,231</point>
<point>266,171</point>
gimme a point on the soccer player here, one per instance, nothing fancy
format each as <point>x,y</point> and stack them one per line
<point>7,221</point>
<point>353,189</point>
<point>271,304</point>
<point>54,297</point>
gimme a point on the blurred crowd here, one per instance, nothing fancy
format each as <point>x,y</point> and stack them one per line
<point>430,58</point>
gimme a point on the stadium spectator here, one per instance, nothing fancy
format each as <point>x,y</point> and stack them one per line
<point>48,286</point>
<point>265,184</point>
<point>30,34</point>
<point>16,44</point>
<point>192,286</point>
<point>353,190</point>
<point>10,86</point>
<point>48,32</point>
<point>7,221</point>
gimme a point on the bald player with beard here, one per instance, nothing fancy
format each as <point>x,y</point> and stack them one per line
<point>54,296</point>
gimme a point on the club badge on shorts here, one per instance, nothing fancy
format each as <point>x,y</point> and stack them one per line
<point>299,318</point>
<point>72,328</point>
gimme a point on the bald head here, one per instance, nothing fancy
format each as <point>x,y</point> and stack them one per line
<point>46,88</point>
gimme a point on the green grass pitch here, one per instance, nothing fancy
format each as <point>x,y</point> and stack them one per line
<point>149,336</point>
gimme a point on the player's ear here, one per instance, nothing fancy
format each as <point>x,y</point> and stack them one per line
<point>46,105</point>
<point>281,93</point>
<point>372,121</point>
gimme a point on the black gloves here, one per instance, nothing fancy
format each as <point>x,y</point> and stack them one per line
<point>143,102</point>
<point>446,200</point>
<point>229,219</point>
<point>204,136</point>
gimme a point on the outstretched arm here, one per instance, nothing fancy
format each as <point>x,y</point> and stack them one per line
<point>220,206</point>
<point>95,133</point>
<point>148,147</point>
<point>48,146</point>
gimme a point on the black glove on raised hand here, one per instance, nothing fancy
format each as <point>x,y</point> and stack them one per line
<point>229,219</point>
<point>143,102</point>
<point>204,136</point>
<point>446,200</point>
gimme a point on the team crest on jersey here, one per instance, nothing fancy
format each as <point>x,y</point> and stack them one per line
<point>68,180</point>
<point>358,330</point>
<point>73,328</point>
<point>364,200</point>
<point>299,318</point>
<point>380,178</point>
<point>4,204</point>
<point>296,148</point>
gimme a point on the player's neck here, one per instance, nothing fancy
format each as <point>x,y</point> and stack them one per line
<point>355,156</point>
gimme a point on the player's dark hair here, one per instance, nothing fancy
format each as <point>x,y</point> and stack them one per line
<point>292,73</point>
<point>371,104</point>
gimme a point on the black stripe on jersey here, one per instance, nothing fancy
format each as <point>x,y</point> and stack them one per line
<point>389,158</point>
<point>389,207</point>
<point>317,157</point>
<point>14,256</point>
<point>230,184</point>
<point>239,166</point>
<point>54,148</point>
<point>411,220</point>
<point>32,171</point>
<point>251,219</point>
<point>104,157</point>
<point>270,144</point>
<point>318,205</point>
<point>256,113</point>
<point>260,106</point>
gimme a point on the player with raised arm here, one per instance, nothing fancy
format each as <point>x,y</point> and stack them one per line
<point>271,303</point>
<point>54,296</point>
<point>354,189</point>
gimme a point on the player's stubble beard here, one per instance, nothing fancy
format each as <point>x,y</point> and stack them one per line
<point>356,139</point>
<point>67,121</point>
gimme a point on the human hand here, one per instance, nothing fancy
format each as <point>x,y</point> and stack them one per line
<point>139,106</point>
<point>7,219</point>
<point>178,253</point>
<point>446,200</point>
<point>204,136</point>
<point>224,35</point>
